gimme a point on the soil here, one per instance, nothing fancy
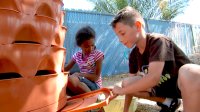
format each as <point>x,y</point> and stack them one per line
<point>195,58</point>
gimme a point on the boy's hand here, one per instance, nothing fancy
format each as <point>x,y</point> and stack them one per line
<point>117,90</point>
<point>131,75</point>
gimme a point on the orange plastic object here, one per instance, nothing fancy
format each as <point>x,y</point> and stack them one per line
<point>40,30</point>
<point>9,4</point>
<point>87,101</point>
<point>60,32</point>
<point>27,6</point>
<point>31,44</point>
<point>59,36</point>
<point>10,19</point>
<point>54,59</point>
<point>32,56</point>
<point>49,8</point>
<point>32,21</point>
<point>39,94</point>
<point>27,59</point>
<point>37,29</point>
<point>62,16</point>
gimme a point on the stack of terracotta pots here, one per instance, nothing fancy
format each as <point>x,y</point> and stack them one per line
<point>32,56</point>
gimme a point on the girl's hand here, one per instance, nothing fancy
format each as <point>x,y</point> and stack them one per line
<point>76,74</point>
<point>117,90</point>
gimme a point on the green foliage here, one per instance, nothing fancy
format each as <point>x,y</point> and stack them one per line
<point>151,9</point>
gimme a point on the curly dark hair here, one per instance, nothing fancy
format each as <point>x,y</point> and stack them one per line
<point>85,33</point>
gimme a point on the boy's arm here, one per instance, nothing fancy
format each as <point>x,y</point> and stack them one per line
<point>69,65</point>
<point>136,74</point>
<point>150,80</point>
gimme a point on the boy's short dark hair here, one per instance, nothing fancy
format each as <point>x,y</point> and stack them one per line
<point>85,33</point>
<point>127,16</point>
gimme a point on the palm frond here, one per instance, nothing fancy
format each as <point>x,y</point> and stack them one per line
<point>154,9</point>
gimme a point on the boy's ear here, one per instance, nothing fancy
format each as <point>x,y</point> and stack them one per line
<point>138,25</point>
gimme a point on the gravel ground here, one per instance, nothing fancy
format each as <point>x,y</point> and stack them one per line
<point>150,106</point>
<point>142,104</point>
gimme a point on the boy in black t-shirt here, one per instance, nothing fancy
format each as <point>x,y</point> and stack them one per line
<point>159,70</point>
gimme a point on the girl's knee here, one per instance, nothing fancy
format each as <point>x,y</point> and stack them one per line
<point>72,80</point>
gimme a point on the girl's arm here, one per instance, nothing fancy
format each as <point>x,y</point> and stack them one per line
<point>94,77</point>
<point>69,65</point>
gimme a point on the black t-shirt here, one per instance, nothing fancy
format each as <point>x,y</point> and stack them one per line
<point>158,48</point>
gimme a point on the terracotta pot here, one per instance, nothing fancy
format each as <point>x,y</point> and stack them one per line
<point>9,4</point>
<point>39,93</point>
<point>62,17</point>
<point>59,37</point>
<point>32,21</point>
<point>32,58</point>
<point>46,28</point>
<point>28,59</point>
<point>18,28</point>
<point>49,8</point>
<point>88,101</point>
<point>9,23</point>
<point>53,60</point>
<point>37,29</point>
<point>27,7</point>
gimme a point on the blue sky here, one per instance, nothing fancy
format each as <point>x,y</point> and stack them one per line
<point>78,4</point>
<point>190,15</point>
